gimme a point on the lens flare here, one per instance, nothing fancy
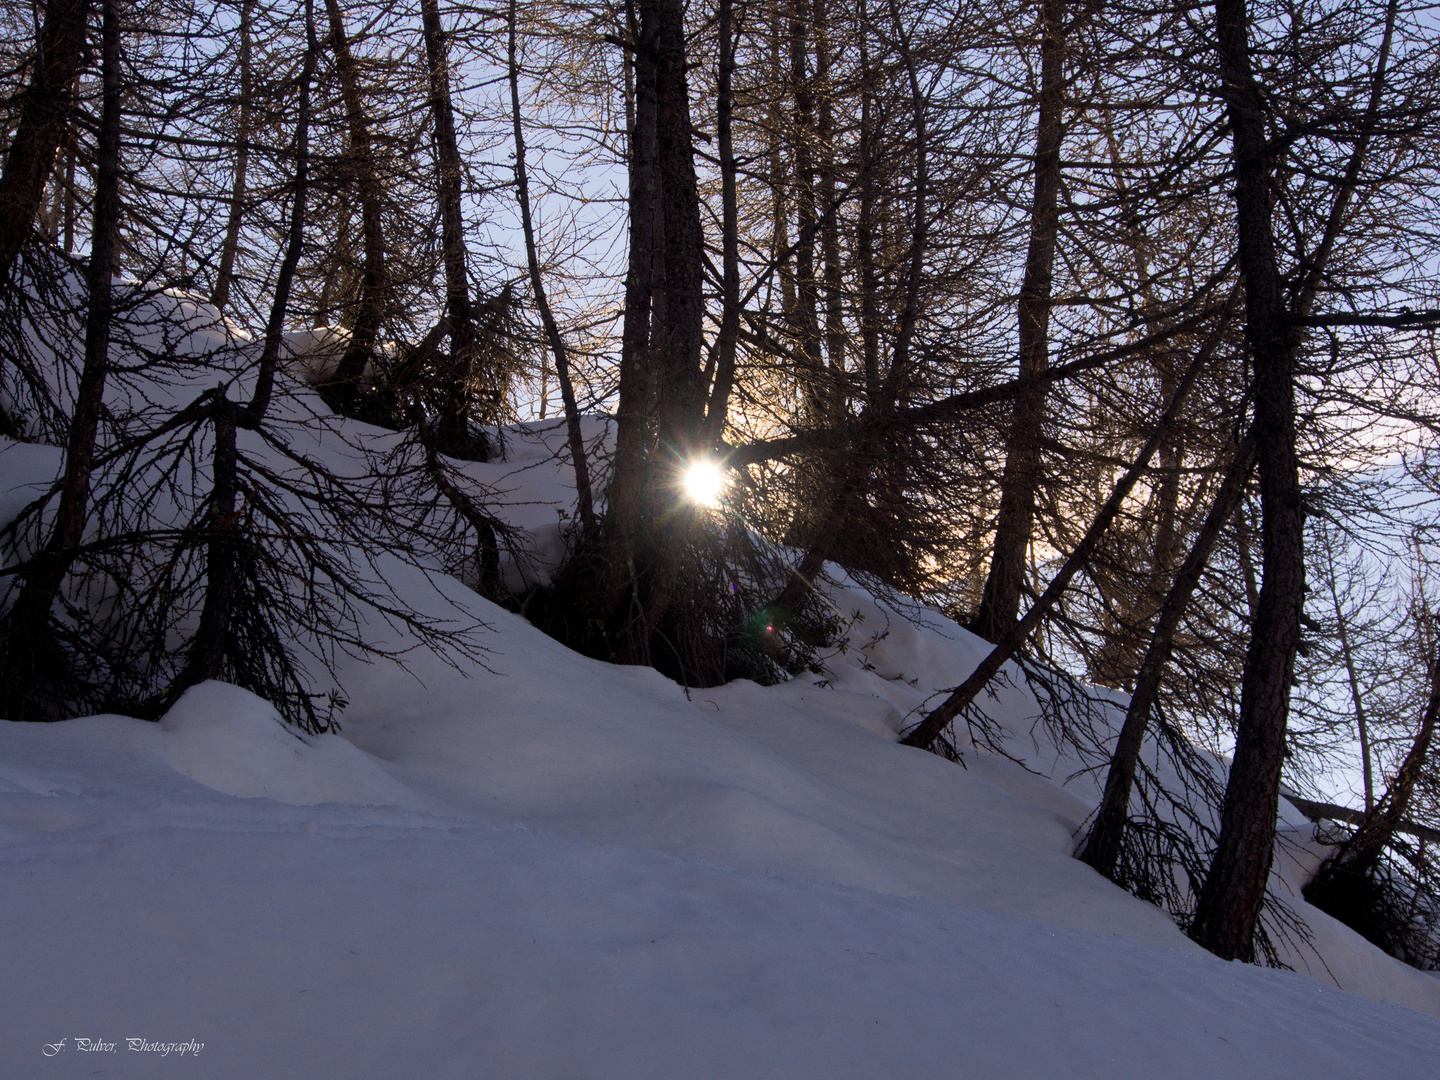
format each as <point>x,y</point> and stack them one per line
<point>705,483</point>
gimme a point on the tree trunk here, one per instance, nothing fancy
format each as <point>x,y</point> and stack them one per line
<point>804,315</point>
<point>220,296</point>
<point>453,433</point>
<point>1117,662</point>
<point>865,226</point>
<point>1352,678</point>
<point>213,643</point>
<point>374,285</point>
<point>660,363</point>
<point>848,486</point>
<point>27,630</point>
<point>1000,599</point>
<point>728,337</point>
<point>491,586</point>
<point>1234,890</point>
<point>682,404</point>
<point>835,332</point>
<point>275,325</point>
<point>1362,851</point>
<point>633,418</point>
<point>44,115</point>
<point>678,332</point>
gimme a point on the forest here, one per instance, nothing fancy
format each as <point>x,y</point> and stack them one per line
<point>1109,330</point>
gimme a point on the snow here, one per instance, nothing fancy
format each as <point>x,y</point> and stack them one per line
<point>461,937</point>
<point>546,866</point>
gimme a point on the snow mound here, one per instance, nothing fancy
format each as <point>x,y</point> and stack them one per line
<point>234,742</point>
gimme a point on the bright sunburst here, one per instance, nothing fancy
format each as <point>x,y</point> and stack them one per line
<point>705,483</point>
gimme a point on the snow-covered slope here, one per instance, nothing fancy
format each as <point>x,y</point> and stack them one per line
<point>553,867</point>
<point>566,870</point>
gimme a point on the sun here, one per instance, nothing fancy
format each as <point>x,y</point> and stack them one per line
<point>704,483</point>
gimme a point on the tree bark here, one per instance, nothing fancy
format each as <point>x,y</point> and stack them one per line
<point>374,284</point>
<point>44,116</point>
<point>835,331</point>
<point>682,404</point>
<point>1362,851</point>
<point>729,334</point>
<point>677,333</point>
<point>647,523</point>
<point>220,295</point>
<point>865,226</point>
<point>633,415</point>
<point>1352,679</point>
<point>1234,890</point>
<point>294,242</point>
<point>27,627</point>
<point>849,486</point>
<point>213,642</point>
<point>491,586</point>
<point>453,433</point>
<point>804,314</point>
<point>1000,598</point>
<point>1346,885</point>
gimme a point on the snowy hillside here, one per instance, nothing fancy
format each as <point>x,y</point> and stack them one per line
<point>547,866</point>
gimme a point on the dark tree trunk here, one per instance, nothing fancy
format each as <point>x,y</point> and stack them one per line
<point>453,433</point>
<point>213,644</point>
<point>294,242</point>
<point>835,332</point>
<point>634,413</point>
<point>678,332</point>
<point>1234,890</point>
<point>27,629</point>
<point>680,336</point>
<point>647,523</point>
<point>1347,885</point>
<point>1352,679</point>
<point>1117,662</point>
<point>865,226</point>
<point>374,285</point>
<point>491,586</point>
<point>849,485</point>
<point>44,116</point>
<point>804,317</point>
<point>775,161</point>
<point>728,337</point>
<point>1000,599</point>
<point>220,296</point>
